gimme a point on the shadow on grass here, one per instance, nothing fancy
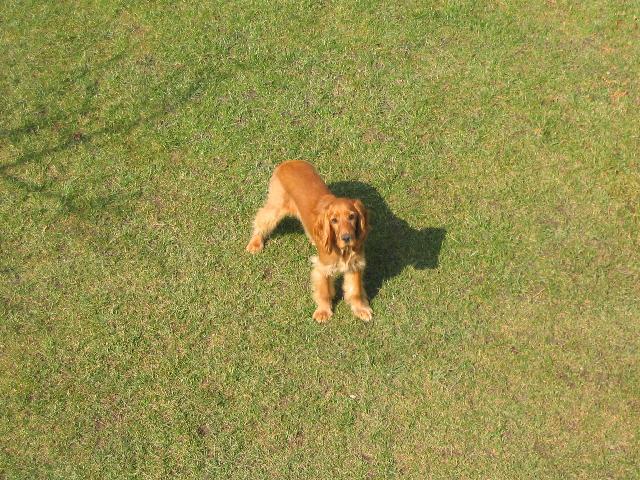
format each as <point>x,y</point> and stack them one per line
<point>392,244</point>
<point>160,97</point>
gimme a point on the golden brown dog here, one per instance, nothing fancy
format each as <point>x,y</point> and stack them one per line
<point>336,226</point>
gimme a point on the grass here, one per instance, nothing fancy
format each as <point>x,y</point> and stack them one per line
<point>497,146</point>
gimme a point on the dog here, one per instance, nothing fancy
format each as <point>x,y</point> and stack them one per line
<point>336,226</point>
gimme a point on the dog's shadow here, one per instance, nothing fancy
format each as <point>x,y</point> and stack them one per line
<point>392,244</point>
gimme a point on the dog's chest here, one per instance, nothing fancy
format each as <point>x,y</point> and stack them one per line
<point>343,264</point>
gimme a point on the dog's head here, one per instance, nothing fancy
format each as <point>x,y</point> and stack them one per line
<point>341,223</point>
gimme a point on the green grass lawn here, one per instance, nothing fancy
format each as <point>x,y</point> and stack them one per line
<point>497,145</point>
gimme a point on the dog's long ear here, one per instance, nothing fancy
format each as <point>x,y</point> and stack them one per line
<point>322,230</point>
<point>362,228</point>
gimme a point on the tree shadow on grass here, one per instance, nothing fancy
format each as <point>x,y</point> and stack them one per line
<point>392,244</point>
<point>152,104</point>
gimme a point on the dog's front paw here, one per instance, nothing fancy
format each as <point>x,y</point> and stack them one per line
<point>255,244</point>
<point>363,312</point>
<point>322,316</point>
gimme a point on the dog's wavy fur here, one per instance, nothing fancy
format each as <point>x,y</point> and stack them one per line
<point>337,227</point>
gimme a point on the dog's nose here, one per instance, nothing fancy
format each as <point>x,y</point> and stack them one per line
<point>346,238</point>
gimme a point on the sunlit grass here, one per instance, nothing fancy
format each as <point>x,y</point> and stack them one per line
<point>497,147</point>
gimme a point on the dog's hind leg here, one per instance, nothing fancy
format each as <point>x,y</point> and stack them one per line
<point>268,217</point>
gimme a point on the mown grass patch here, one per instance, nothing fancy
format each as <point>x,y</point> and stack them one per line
<point>496,145</point>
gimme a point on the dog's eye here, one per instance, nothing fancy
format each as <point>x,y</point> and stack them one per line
<point>334,220</point>
<point>352,216</point>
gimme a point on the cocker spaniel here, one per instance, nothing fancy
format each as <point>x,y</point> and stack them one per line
<point>336,226</point>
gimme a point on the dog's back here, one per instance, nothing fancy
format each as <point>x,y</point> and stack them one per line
<point>301,181</point>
